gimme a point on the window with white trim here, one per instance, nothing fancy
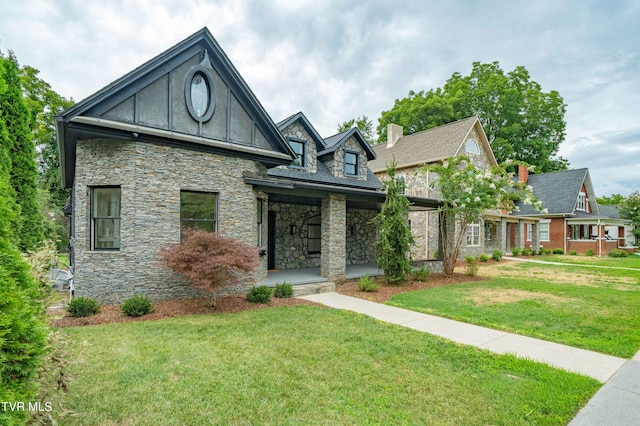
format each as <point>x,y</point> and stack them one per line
<point>582,202</point>
<point>473,235</point>
<point>105,218</point>
<point>544,231</point>
<point>529,231</point>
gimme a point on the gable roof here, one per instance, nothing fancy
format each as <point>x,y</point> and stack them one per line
<point>306,124</point>
<point>558,192</point>
<point>89,118</point>
<point>334,142</point>
<point>430,145</point>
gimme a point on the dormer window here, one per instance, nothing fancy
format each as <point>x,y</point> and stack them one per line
<point>299,147</point>
<point>582,202</point>
<point>472,147</point>
<point>351,163</point>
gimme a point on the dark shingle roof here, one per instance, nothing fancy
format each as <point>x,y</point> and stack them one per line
<point>609,210</point>
<point>558,191</point>
<point>427,146</point>
<point>302,119</point>
<point>334,142</point>
<point>323,175</point>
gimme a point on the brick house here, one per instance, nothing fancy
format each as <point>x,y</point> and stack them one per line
<point>497,231</point>
<point>574,221</point>
<point>182,142</point>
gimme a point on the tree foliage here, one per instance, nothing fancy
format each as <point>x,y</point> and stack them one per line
<point>522,122</point>
<point>468,192</point>
<point>630,209</point>
<point>24,174</point>
<point>210,261</point>
<point>613,199</point>
<point>363,124</point>
<point>394,233</point>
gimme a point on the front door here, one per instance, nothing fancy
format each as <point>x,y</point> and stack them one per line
<point>271,243</point>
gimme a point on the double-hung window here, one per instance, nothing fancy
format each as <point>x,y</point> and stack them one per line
<point>473,235</point>
<point>582,202</point>
<point>299,147</point>
<point>314,234</point>
<point>350,163</point>
<point>105,218</point>
<point>199,210</point>
<point>544,231</point>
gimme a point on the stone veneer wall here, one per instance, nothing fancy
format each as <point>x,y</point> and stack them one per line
<point>292,251</point>
<point>335,161</point>
<point>151,178</point>
<point>333,264</point>
<point>361,246</point>
<point>298,131</point>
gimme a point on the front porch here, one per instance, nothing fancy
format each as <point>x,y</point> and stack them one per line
<point>312,275</point>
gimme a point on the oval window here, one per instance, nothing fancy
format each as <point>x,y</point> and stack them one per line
<point>199,94</point>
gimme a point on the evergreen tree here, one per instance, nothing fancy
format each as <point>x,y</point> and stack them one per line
<point>394,233</point>
<point>23,170</point>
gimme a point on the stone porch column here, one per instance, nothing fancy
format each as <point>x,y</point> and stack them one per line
<point>501,235</point>
<point>520,235</point>
<point>333,243</point>
<point>535,238</point>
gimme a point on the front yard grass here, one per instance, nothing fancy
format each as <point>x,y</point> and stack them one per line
<point>596,309</point>
<point>303,365</point>
<point>633,261</point>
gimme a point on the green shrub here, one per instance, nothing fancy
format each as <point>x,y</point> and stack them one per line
<point>83,307</point>
<point>483,257</point>
<point>546,251</point>
<point>557,251</point>
<point>496,255</point>
<point>136,306</point>
<point>589,252</point>
<point>367,283</point>
<point>618,253</point>
<point>471,268</point>
<point>421,274</point>
<point>573,252</point>
<point>283,290</point>
<point>259,294</point>
<point>526,252</point>
<point>515,251</point>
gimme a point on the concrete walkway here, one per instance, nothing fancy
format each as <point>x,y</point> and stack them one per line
<point>617,402</point>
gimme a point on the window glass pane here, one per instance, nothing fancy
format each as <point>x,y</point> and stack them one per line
<point>106,218</point>
<point>197,205</point>
<point>351,163</point>
<point>199,94</point>
<point>298,149</point>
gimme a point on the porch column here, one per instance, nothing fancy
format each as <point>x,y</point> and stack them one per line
<point>501,235</point>
<point>520,235</point>
<point>535,238</point>
<point>333,243</point>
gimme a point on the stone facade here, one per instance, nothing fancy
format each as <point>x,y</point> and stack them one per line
<point>151,177</point>
<point>297,130</point>
<point>361,236</point>
<point>335,160</point>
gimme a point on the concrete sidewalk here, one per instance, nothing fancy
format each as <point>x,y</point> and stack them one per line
<point>617,402</point>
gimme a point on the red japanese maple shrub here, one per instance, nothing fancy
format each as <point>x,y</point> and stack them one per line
<point>210,261</point>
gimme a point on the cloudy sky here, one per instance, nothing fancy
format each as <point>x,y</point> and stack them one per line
<point>336,60</point>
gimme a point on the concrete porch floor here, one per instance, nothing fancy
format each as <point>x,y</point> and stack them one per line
<point>312,275</point>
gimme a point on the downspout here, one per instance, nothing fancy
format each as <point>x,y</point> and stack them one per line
<point>599,240</point>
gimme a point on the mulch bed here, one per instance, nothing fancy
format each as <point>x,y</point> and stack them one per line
<point>386,291</point>
<point>225,304</point>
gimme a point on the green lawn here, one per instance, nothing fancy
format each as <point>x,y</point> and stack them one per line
<point>303,365</point>
<point>633,261</point>
<point>596,309</point>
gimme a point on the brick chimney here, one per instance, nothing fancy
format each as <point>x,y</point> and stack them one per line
<point>394,132</point>
<point>523,173</point>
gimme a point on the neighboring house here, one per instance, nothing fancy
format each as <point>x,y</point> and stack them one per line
<point>574,221</point>
<point>182,142</point>
<point>497,231</point>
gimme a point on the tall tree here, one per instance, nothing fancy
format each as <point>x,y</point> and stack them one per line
<point>417,112</point>
<point>394,233</point>
<point>24,174</point>
<point>363,124</point>
<point>613,199</point>
<point>522,122</point>
<point>630,209</point>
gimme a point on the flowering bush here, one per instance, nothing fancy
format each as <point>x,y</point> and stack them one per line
<point>468,192</point>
